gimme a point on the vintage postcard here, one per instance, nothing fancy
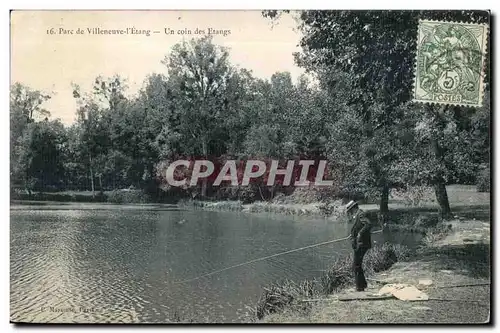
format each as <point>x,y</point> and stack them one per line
<point>313,166</point>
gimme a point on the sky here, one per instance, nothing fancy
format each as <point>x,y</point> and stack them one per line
<point>52,61</point>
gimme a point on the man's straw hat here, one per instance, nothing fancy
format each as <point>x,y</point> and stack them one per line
<point>350,205</point>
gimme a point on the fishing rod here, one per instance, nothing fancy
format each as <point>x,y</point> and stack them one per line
<point>265,258</point>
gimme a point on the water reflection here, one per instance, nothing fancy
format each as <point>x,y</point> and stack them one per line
<point>122,265</point>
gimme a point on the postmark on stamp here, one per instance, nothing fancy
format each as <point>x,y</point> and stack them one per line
<point>450,63</point>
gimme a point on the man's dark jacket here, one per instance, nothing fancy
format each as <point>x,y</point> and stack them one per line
<point>362,227</point>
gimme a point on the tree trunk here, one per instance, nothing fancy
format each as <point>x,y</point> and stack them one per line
<point>100,183</point>
<point>442,199</point>
<point>27,185</point>
<point>439,184</point>
<point>92,176</point>
<point>205,180</point>
<point>261,195</point>
<point>384,204</point>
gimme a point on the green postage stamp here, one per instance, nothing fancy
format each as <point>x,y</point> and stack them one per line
<point>450,63</point>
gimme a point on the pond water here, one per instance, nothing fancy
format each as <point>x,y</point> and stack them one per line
<point>122,264</point>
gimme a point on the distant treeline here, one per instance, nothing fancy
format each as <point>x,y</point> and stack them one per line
<point>356,114</point>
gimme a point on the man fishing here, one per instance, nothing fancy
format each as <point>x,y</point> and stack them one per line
<point>361,241</point>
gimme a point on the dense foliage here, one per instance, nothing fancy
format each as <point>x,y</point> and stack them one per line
<point>353,108</point>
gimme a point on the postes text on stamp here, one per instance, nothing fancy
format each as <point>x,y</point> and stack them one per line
<point>450,63</point>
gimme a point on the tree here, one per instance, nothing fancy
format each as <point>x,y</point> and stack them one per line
<point>75,167</point>
<point>200,79</point>
<point>446,147</point>
<point>375,51</point>
<point>26,106</point>
<point>39,156</point>
<point>27,102</point>
<point>98,114</point>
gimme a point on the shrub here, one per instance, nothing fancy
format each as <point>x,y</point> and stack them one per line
<point>332,208</point>
<point>288,294</point>
<point>414,195</point>
<point>265,207</point>
<point>221,205</point>
<point>338,275</point>
<point>248,194</point>
<point>60,197</point>
<point>381,258</point>
<point>426,221</point>
<point>306,195</point>
<point>483,180</point>
<point>224,205</point>
<point>348,194</point>
<point>377,259</point>
<point>413,221</point>
<point>435,234</point>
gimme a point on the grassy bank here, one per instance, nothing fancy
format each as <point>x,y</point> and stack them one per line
<point>406,213</point>
<point>212,205</point>
<point>456,260</point>
<point>291,297</point>
<point>403,208</point>
<point>116,196</point>
<point>311,209</point>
